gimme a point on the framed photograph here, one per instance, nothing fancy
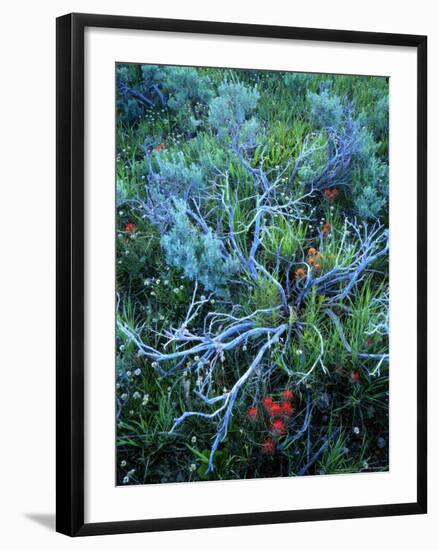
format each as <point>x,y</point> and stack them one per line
<point>241,274</point>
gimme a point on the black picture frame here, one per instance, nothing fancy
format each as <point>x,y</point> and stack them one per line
<point>70,273</point>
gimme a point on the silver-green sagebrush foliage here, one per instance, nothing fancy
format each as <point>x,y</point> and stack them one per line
<point>200,255</point>
<point>252,274</point>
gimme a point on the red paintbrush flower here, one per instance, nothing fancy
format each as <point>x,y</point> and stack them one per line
<point>330,194</point>
<point>160,146</point>
<point>252,413</point>
<point>267,402</point>
<point>278,428</point>
<point>130,227</point>
<point>268,447</point>
<point>287,409</point>
<point>287,394</point>
<point>275,409</point>
<point>355,376</point>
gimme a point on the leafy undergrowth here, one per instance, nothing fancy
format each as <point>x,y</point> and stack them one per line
<point>252,274</point>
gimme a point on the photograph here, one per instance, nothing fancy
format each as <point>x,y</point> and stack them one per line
<point>252,274</point>
<point>216,275</point>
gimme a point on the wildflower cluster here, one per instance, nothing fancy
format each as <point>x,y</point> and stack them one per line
<point>274,417</point>
<point>314,258</point>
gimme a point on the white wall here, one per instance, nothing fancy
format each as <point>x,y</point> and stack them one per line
<point>27,170</point>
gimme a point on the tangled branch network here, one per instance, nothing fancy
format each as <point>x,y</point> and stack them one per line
<point>241,245</point>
